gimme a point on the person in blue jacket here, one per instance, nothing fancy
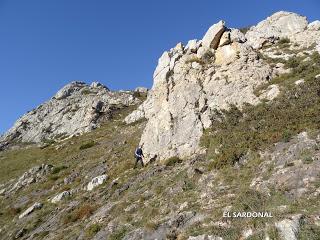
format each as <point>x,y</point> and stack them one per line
<point>138,154</point>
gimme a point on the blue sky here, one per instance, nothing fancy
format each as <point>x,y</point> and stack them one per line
<point>46,44</point>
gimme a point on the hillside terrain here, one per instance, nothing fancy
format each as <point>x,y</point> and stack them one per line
<point>231,125</point>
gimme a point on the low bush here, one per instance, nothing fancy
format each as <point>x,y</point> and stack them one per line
<point>172,161</point>
<point>87,145</point>
<point>80,213</point>
<point>92,230</point>
<point>57,169</point>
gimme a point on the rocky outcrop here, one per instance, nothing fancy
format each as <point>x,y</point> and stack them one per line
<point>224,68</point>
<point>60,116</point>
<point>284,25</point>
<point>190,83</point>
<point>33,175</point>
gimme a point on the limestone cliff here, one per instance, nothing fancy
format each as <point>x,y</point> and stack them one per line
<point>191,82</point>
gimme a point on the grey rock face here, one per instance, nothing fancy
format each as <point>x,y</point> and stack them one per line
<point>190,85</point>
<point>75,109</point>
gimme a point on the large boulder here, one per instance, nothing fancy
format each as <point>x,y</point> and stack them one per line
<point>212,37</point>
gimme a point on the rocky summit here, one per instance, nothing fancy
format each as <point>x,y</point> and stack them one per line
<point>75,109</point>
<point>231,140</point>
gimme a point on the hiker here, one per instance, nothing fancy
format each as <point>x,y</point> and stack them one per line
<point>138,154</point>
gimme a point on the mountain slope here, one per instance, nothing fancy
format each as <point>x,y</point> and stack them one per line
<point>235,132</point>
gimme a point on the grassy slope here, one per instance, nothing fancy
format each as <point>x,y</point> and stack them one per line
<point>150,201</point>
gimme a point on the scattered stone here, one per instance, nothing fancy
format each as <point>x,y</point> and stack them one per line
<point>61,196</point>
<point>33,175</point>
<point>205,237</point>
<point>71,178</point>
<point>96,182</point>
<point>298,82</point>
<point>31,209</point>
<point>21,233</point>
<point>271,92</point>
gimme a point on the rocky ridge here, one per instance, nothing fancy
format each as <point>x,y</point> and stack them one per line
<point>75,109</point>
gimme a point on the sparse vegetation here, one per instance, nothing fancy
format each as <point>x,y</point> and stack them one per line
<point>87,145</point>
<point>235,132</point>
<point>172,161</point>
<point>92,230</point>
<point>80,213</point>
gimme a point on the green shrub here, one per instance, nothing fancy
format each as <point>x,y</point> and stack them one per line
<point>57,169</point>
<point>86,92</point>
<point>172,161</point>
<point>92,230</point>
<point>119,234</point>
<point>309,232</point>
<point>87,145</point>
<point>307,160</point>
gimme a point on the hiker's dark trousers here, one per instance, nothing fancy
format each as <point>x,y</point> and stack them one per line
<point>137,160</point>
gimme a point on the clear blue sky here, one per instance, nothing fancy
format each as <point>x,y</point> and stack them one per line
<point>46,44</point>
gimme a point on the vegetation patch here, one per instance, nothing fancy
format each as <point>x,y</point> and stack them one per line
<point>80,213</point>
<point>87,145</point>
<point>172,161</point>
<point>92,230</point>
<point>58,169</point>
